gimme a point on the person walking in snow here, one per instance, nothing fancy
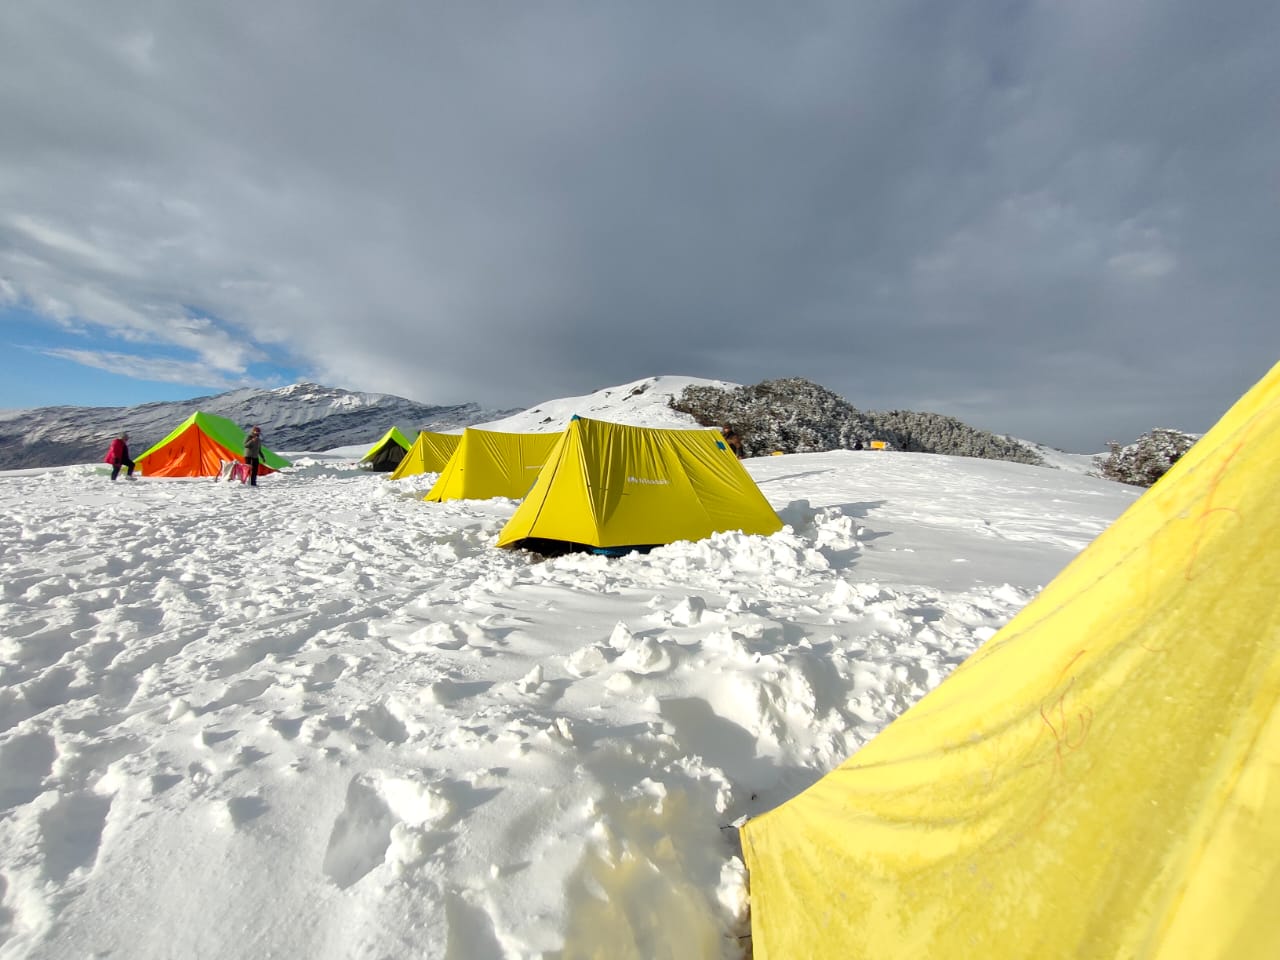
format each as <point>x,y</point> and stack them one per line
<point>118,456</point>
<point>253,454</point>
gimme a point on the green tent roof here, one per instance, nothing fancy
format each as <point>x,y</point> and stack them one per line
<point>222,431</point>
<point>391,436</point>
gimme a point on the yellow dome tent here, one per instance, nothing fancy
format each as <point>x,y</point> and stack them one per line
<point>607,485</point>
<point>489,464</point>
<point>428,454</point>
<point>1100,779</point>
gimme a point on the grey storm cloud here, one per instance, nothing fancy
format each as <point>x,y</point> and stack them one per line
<point>1056,220</point>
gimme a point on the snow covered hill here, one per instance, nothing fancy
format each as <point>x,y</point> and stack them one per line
<point>642,403</point>
<point>1085,463</point>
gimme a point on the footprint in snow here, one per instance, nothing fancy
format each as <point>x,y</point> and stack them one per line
<point>378,808</point>
<point>71,832</point>
<point>25,760</point>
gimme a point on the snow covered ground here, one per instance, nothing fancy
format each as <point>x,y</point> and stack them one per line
<point>325,719</point>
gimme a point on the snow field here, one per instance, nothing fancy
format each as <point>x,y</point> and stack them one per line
<point>325,719</point>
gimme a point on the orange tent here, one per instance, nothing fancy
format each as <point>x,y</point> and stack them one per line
<point>198,448</point>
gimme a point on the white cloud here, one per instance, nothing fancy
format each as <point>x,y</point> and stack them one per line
<point>156,369</point>
<point>137,49</point>
<point>1143,264</point>
<point>69,243</point>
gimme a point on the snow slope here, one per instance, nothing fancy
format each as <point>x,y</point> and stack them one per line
<point>642,403</point>
<point>325,719</point>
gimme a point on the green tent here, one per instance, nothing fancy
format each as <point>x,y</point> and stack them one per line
<point>385,455</point>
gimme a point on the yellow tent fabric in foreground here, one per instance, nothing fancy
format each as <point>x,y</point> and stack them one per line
<point>610,485</point>
<point>1100,779</point>
<point>428,454</point>
<point>491,464</point>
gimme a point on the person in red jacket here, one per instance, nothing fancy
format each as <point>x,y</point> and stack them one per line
<point>118,456</point>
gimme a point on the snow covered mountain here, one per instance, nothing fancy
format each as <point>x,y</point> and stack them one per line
<point>641,403</point>
<point>302,416</point>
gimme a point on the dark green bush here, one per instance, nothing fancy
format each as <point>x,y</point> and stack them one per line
<point>1147,459</point>
<point>795,415</point>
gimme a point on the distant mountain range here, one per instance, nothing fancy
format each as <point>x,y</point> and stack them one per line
<point>789,415</point>
<point>303,416</point>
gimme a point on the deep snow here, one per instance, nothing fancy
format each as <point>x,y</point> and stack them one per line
<point>325,719</point>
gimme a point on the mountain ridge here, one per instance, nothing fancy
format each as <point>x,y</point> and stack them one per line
<point>300,416</point>
<point>311,417</point>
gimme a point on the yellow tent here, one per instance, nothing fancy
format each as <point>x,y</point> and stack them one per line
<point>490,464</point>
<point>1100,779</point>
<point>428,454</point>
<point>609,485</point>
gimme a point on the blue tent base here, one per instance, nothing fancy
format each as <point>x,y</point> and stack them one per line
<point>621,551</point>
<point>558,548</point>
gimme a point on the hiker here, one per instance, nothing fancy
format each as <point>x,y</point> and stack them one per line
<point>253,454</point>
<point>118,456</point>
<point>733,440</point>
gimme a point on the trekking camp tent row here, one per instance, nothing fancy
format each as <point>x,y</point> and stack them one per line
<point>429,453</point>
<point>198,446</point>
<point>1100,779</point>
<point>606,485</point>
<point>388,453</point>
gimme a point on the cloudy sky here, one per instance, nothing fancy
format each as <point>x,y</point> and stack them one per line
<point>1055,219</point>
